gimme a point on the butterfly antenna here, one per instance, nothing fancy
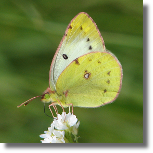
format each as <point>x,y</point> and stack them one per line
<point>28,101</point>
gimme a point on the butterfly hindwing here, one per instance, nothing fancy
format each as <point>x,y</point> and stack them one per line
<point>92,80</point>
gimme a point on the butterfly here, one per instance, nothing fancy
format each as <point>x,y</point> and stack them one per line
<point>82,73</point>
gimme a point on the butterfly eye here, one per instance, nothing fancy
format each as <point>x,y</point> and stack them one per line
<point>65,56</point>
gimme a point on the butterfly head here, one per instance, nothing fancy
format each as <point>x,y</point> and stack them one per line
<point>48,96</point>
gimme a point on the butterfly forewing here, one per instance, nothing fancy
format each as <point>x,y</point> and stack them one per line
<point>81,37</point>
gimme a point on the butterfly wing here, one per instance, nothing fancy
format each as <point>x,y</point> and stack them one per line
<point>91,80</point>
<point>81,37</point>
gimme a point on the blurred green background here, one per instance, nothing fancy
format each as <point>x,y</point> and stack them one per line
<point>30,32</point>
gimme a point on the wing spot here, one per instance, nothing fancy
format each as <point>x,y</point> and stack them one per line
<point>90,47</point>
<point>87,75</point>
<point>65,93</point>
<point>99,62</point>
<point>88,39</point>
<point>108,81</point>
<point>105,91</point>
<point>65,56</point>
<point>81,28</point>
<point>76,61</point>
<point>70,27</point>
<point>109,73</point>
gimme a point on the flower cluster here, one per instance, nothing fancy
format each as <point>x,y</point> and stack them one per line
<point>64,129</point>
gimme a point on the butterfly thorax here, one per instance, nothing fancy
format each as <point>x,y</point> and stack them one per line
<point>52,96</point>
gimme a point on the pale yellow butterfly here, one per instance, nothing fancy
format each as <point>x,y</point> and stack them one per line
<point>83,73</point>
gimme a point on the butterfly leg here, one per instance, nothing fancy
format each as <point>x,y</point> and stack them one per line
<point>69,107</point>
<point>61,105</point>
<point>55,108</point>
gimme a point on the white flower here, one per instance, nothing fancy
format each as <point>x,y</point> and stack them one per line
<point>63,129</point>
